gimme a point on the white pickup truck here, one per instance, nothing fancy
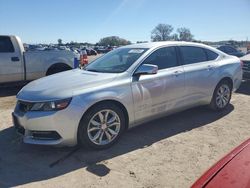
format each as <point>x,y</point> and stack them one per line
<point>18,65</point>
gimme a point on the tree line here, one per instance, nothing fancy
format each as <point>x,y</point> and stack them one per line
<point>162,32</point>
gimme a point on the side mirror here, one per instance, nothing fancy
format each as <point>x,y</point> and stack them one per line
<point>146,69</point>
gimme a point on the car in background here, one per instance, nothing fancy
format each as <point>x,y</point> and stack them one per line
<point>124,88</point>
<point>33,47</point>
<point>63,48</point>
<point>18,65</point>
<point>109,48</point>
<point>230,50</point>
<point>246,66</point>
<point>232,171</point>
<point>103,50</point>
<point>91,51</point>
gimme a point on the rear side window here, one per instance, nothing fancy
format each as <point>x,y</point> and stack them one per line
<point>163,58</point>
<point>6,45</point>
<point>211,55</point>
<point>192,54</point>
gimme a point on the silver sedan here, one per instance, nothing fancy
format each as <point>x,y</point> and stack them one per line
<point>122,89</point>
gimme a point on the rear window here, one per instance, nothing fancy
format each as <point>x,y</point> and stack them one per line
<point>221,48</point>
<point>191,54</point>
<point>211,55</point>
<point>229,49</point>
<point>6,44</point>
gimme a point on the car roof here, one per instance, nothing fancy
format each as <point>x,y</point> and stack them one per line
<point>163,43</point>
<point>154,45</point>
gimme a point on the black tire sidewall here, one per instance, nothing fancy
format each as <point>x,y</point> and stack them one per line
<point>82,134</point>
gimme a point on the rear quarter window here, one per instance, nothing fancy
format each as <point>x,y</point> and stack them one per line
<point>211,55</point>
<point>6,45</point>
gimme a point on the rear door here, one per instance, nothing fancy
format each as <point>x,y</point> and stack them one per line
<point>11,68</point>
<point>200,71</point>
<point>162,92</point>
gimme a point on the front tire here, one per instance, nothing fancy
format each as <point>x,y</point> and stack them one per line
<point>101,126</point>
<point>222,96</point>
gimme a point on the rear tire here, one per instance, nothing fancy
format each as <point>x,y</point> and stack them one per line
<point>222,96</point>
<point>101,126</point>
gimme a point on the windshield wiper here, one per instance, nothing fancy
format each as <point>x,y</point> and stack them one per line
<point>92,70</point>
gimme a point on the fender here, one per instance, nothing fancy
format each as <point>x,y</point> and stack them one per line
<point>97,97</point>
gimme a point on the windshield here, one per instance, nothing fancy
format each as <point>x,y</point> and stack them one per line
<point>116,61</point>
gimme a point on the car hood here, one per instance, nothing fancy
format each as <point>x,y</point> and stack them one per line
<point>63,85</point>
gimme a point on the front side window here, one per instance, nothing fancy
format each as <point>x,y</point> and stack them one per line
<point>6,45</point>
<point>192,54</point>
<point>116,61</point>
<point>163,58</point>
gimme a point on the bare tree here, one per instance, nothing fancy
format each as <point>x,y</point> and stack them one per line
<point>162,32</point>
<point>184,34</point>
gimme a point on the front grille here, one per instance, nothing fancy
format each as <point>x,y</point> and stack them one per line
<point>23,106</point>
<point>246,65</point>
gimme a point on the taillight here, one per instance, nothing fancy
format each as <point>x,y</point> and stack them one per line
<point>241,63</point>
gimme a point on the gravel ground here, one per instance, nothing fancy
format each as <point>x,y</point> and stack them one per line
<point>169,152</point>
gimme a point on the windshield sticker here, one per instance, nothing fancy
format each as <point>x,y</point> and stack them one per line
<point>135,51</point>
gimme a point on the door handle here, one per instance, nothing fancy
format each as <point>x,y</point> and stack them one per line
<point>210,67</point>
<point>177,73</point>
<point>15,59</point>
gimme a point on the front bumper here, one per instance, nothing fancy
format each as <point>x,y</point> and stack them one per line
<point>49,127</point>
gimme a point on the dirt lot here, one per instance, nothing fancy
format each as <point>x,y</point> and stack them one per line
<point>169,152</point>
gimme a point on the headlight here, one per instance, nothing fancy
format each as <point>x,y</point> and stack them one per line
<point>51,106</point>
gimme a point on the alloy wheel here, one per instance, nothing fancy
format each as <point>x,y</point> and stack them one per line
<point>223,96</point>
<point>104,127</point>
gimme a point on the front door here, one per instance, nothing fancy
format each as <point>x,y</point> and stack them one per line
<point>156,94</point>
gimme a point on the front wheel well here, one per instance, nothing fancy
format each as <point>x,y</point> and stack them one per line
<point>120,105</point>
